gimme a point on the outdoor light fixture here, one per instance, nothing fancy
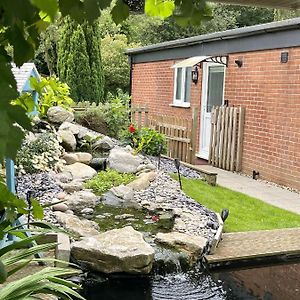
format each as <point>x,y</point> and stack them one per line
<point>177,166</point>
<point>195,74</point>
<point>239,62</point>
<point>224,214</point>
<point>160,147</point>
<point>284,57</point>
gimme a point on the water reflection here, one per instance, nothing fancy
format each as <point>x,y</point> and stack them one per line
<point>280,282</point>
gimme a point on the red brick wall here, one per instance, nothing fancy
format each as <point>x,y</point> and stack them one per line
<point>269,90</point>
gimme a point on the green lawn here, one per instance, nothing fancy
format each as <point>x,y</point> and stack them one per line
<point>245,213</point>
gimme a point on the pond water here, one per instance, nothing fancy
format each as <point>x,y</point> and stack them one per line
<point>277,282</point>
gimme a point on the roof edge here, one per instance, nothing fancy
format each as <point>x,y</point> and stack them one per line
<point>220,35</point>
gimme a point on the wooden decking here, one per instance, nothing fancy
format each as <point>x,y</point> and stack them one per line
<point>255,247</point>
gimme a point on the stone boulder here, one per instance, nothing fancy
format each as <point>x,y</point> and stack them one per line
<point>82,157</point>
<point>192,245</point>
<point>68,140</point>
<point>98,163</point>
<point>76,226</point>
<point>115,251</point>
<point>69,126</point>
<point>122,191</point>
<point>70,158</point>
<point>123,161</point>
<point>57,114</point>
<point>142,182</point>
<point>72,186</point>
<point>80,171</point>
<point>105,144</point>
<point>80,200</point>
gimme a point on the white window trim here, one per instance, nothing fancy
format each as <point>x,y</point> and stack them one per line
<point>180,102</point>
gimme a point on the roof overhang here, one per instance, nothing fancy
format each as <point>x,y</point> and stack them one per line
<point>288,4</point>
<point>197,60</point>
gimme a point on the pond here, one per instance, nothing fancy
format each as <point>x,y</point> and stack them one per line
<point>278,282</point>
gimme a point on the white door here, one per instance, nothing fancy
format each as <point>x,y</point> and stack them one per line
<point>212,95</point>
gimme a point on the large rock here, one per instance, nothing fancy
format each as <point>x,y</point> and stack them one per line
<point>84,157</point>
<point>123,191</point>
<point>76,226</point>
<point>72,186</point>
<point>193,245</point>
<point>57,114</point>
<point>70,158</point>
<point>114,251</point>
<point>105,144</point>
<point>109,198</point>
<point>69,126</point>
<point>80,171</point>
<point>68,140</point>
<point>142,182</point>
<point>123,161</point>
<point>80,200</point>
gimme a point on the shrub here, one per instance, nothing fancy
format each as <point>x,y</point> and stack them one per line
<point>108,179</point>
<point>93,118</point>
<point>146,140</point>
<point>109,118</point>
<point>41,153</point>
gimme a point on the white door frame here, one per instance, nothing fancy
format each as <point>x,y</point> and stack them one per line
<point>204,116</point>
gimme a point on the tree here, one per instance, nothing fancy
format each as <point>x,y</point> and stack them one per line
<point>115,62</point>
<point>79,60</point>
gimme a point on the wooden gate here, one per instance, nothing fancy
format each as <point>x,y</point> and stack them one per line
<point>180,134</point>
<point>226,140</point>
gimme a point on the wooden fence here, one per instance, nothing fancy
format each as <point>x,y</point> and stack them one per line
<point>226,140</point>
<point>180,132</point>
<point>139,116</point>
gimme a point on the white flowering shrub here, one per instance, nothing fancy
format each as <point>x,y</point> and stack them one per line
<point>40,153</point>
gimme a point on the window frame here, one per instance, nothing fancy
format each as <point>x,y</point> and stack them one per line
<point>182,102</point>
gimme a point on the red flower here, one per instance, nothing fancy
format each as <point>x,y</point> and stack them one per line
<point>155,218</point>
<point>131,128</point>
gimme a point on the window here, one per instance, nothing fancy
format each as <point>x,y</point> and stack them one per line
<point>182,86</point>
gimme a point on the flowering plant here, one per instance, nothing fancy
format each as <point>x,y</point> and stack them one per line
<point>39,153</point>
<point>131,128</point>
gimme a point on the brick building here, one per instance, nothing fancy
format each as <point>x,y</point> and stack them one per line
<point>255,67</point>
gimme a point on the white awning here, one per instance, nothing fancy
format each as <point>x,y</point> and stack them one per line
<point>190,62</point>
<point>195,60</point>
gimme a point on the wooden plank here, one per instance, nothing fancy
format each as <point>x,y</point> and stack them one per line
<point>229,138</point>
<point>226,125</point>
<point>193,135</point>
<point>214,143</point>
<point>233,141</point>
<point>222,133</point>
<point>139,119</point>
<point>256,244</point>
<point>146,120</point>
<point>240,139</point>
<point>218,140</point>
<point>213,117</point>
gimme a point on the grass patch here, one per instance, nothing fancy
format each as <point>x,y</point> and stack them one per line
<point>245,213</point>
<point>105,180</point>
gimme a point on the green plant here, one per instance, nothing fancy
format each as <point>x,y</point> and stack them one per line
<point>39,153</point>
<point>93,118</point>
<point>116,112</point>
<point>79,60</point>
<point>108,179</point>
<point>109,118</point>
<point>18,255</point>
<point>146,140</point>
<point>150,141</point>
<point>51,92</point>
<point>26,101</point>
